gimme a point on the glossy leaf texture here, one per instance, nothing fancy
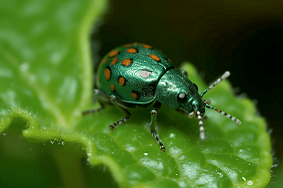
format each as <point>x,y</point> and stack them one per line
<point>46,82</point>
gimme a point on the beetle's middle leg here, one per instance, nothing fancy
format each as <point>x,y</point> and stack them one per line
<point>153,113</point>
<point>122,108</point>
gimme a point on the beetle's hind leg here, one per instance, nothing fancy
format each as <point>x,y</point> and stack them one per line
<point>153,124</point>
<point>93,111</point>
<point>122,108</point>
<point>101,98</point>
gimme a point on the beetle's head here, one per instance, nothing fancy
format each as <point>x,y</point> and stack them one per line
<point>190,102</point>
<point>176,91</point>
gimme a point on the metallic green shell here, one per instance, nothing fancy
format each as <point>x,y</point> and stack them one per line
<point>134,83</point>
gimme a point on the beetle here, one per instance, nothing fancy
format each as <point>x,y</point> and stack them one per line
<point>140,75</point>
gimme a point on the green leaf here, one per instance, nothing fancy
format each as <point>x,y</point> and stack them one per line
<point>46,82</point>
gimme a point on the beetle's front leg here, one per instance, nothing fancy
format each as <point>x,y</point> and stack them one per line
<point>153,124</point>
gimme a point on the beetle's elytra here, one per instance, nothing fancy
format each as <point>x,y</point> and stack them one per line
<point>140,74</point>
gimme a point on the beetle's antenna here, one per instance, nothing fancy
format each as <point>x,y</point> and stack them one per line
<point>224,76</point>
<point>224,113</point>
<point>201,129</point>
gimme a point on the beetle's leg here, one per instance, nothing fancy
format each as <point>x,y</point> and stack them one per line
<point>101,98</point>
<point>119,122</point>
<point>92,111</point>
<point>153,124</point>
<point>122,108</point>
<point>184,73</point>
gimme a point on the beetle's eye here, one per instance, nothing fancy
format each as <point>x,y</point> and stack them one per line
<point>182,97</point>
<point>196,86</point>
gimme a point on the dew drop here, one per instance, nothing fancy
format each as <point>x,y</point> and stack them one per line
<point>172,135</point>
<point>250,182</point>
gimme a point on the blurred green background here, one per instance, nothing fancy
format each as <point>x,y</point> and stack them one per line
<point>245,37</point>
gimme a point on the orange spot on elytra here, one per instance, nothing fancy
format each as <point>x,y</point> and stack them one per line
<point>132,50</point>
<point>121,81</point>
<point>169,60</point>
<point>107,73</point>
<point>112,87</point>
<point>104,60</point>
<point>113,53</point>
<point>126,62</point>
<point>127,45</point>
<point>134,95</point>
<point>154,57</point>
<point>114,61</point>
<point>147,46</point>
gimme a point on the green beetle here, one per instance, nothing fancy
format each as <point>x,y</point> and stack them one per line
<point>138,74</point>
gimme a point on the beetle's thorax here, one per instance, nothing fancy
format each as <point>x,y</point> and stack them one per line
<point>174,85</point>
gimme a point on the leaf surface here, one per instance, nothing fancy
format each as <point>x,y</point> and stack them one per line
<point>46,82</point>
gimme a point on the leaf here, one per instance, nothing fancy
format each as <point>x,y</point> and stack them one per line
<point>46,82</point>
